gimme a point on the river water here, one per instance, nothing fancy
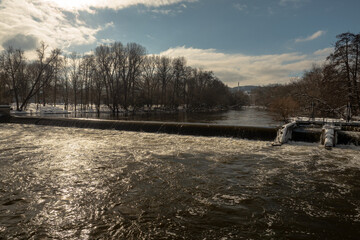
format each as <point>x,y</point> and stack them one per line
<point>68,183</point>
<point>245,117</point>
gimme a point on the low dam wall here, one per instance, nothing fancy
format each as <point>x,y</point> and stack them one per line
<point>4,113</point>
<point>302,133</point>
<point>306,135</point>
<point>349,133</point>
<point>197,129</point>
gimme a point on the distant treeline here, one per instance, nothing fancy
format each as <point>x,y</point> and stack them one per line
<point>330,90</point>
<point>123,77</point>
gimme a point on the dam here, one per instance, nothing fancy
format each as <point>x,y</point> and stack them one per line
<point>305,131</point>
<point>4,113</point>
<point>197,129</point>
<point>250,123</point>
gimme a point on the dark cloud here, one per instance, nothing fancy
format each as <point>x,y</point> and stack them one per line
<point>21,41</point>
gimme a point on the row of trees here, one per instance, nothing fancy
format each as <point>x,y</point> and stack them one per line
<point>331,90</point>
<point>120,76</point>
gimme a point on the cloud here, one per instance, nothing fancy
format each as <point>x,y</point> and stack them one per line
<point>312,37</point>
<point>324,52</point>
<point>106,41</point>
<point>57,22</point>
<point>21,41</point>
<point>89,53</point>
<point>150,36</point>
<point>89,5</point>
<point>270,11</point>
<point>25,22</point>
<point>286,2</point>
<point>246,69</point>
<point>163,11</point>
<point>240,7</point>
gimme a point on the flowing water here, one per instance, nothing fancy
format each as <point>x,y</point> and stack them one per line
<point>68,183</point>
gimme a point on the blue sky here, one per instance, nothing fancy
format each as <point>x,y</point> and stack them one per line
<point>243,41</point>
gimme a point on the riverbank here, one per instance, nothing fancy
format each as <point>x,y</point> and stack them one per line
<point>36,109</point>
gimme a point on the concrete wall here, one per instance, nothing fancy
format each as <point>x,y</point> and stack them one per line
<point>4,113</point>
<point>254,133</point>
<point>251,133</point>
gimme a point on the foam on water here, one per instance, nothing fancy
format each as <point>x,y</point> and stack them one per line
<point>86,184</point>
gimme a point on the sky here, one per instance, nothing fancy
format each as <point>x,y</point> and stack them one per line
<point>245,42</point>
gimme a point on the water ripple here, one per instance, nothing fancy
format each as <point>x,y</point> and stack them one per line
<point>66,183</point>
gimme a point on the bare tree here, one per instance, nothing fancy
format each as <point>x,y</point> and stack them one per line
<point>106,63</point>
<point>65,82</point>
<point>37,75</point>
<point>89,72</point>
<point>121,74</point>
<point>136,57</point>
<point>179,73</point>
<point>150,79</point>
<point>74,73</point>
<point>165,75</point>
<point>13,64</point>
<point>56,67</point>
<point>98,89</point>
<point>346,59</point>
<point>118,76</point>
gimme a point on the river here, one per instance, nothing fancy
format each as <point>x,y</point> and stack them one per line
<point>245,117</point>
<point>68,183</point>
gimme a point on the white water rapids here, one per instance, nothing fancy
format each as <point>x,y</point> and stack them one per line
<point>68,183</point>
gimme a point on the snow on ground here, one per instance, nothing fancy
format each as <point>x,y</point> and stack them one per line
<point>34,108</point>
<point>324,120</point>
<point>58,109</point>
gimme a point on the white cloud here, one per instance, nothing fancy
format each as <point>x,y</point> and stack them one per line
<point>312,37</point>
<point>324,52</point>
<point>56,22</point>
<point>240,7</point>
<point>150,36</point>
<point>87,5</point>
<point>89,53</point>
<point>106,41</point>
<point>43,22</point>
<point>109,24</point>
<point>285,2</point>
<point>163,11</point>
<point>259,70</point>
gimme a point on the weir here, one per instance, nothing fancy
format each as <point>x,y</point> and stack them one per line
<point>4,113</point>
<point>197,129</point>
<point>303,131</point>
